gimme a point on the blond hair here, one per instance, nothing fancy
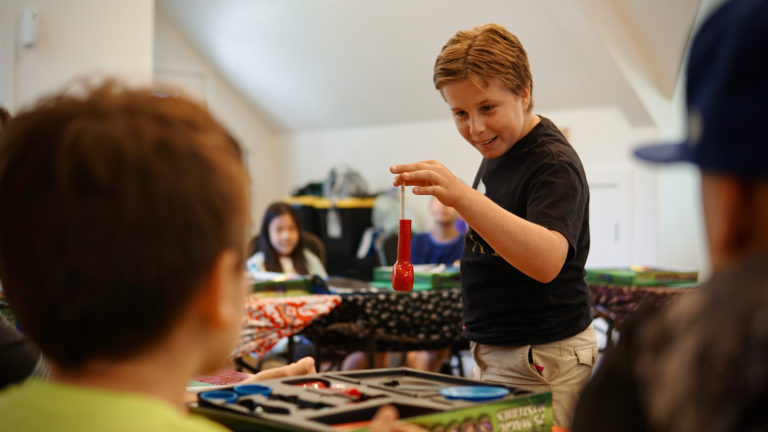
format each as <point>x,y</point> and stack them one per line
<point>481,53</point>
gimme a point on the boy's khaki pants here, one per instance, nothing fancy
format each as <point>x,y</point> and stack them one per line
<point>567,366</point>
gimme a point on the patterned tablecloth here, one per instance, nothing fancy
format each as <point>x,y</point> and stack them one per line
<point>389,320</point>
<point>386,320</point>
<point>269,319</point>
<point>621,300</point>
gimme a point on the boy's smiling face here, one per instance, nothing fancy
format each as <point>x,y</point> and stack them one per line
<point>492,119</point>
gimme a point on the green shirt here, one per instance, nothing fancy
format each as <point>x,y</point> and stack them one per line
<point>37,405</point>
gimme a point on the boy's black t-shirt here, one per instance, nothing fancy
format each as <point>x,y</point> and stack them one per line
<point>540,179</point>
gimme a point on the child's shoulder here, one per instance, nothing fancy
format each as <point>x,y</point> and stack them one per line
<point>420,238</point>
<point>550,145</point>
<point>256,262</point>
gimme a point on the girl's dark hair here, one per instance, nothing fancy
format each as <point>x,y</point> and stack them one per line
<point>271,259</point>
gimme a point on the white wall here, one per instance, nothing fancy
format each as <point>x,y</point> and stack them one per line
<point>681,233</point>
<point>97,38</point>
<point>371,150</point>
<point>76,38</point>
<point>681,224</point>
<point>87,37</point>
<point>602,136</point>
<point>178,63</point>
<point>604,139</point>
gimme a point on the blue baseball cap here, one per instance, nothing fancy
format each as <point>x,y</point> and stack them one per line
<point>726,94</point>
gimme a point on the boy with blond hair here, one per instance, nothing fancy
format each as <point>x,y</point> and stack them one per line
<point>526,305</point>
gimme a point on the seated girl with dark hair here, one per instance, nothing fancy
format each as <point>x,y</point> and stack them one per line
<point>281,245</point>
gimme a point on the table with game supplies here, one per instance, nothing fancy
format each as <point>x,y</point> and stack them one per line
<point>345,401</point>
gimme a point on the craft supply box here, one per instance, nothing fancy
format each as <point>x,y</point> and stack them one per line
<point>344,401</point>
<point>450,278</point>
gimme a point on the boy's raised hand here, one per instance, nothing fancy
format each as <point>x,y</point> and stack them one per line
<point>431,178</point>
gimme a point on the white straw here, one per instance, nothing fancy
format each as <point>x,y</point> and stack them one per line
<point>402,201</point>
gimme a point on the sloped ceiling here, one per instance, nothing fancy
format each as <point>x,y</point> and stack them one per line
<point>322,64</point>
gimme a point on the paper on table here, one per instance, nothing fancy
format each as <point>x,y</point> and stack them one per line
<point>271,276</point>
<point>216,380</point>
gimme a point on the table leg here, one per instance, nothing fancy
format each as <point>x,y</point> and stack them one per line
<point>291,349</point>
<point>371,351</point>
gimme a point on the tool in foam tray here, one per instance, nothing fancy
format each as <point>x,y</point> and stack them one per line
<point>474,393</point>
<point>340,389</point>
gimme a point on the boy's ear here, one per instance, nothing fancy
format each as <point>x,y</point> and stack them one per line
<point>525,97</point>
<point>219,300</point>
<point>738,215</point>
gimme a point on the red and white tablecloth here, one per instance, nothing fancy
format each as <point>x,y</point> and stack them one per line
<point>269,319</point>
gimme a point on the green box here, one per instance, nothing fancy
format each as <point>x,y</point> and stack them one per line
<point>449,278</point>
<point>522,414</point>
<point>283,288</point>
<point>6,314</point>
<point>644,276</point>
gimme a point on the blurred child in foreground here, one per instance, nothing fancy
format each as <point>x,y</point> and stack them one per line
<point>123,222</point>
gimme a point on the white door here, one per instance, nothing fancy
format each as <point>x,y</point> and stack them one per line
<point>610,218</point>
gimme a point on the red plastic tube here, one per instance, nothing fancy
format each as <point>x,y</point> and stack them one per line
<point>402,271</point>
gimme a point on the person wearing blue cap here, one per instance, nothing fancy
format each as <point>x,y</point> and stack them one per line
<point>701,364</point>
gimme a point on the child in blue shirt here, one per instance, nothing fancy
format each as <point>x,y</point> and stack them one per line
<point>444,243</point>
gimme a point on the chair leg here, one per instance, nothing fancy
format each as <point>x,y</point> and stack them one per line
<point>241,365</point>
<point>291,349</point>
<point>609,335</point>
<point>459,362</point>
<point>371,351</point>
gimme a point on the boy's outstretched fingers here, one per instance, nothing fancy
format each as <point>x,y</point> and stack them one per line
<point>304,366</point>
<point>386,420</point>
<point>430,177</point>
